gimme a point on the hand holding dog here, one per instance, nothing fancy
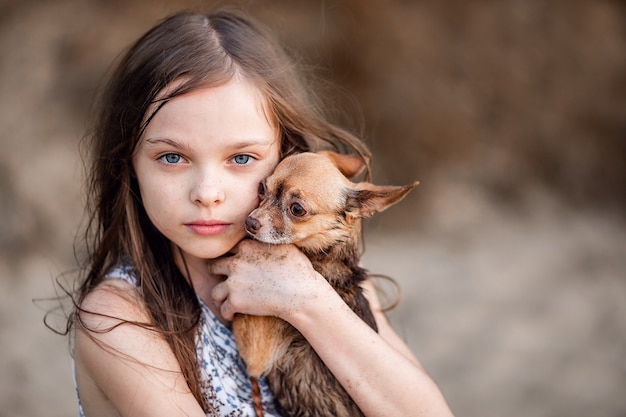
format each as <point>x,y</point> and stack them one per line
<point>266,280</point>
<point>279,280</point>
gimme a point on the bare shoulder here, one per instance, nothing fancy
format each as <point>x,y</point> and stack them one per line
<point>113,320</point>
<point>112,302</point>
<point>123,366</point>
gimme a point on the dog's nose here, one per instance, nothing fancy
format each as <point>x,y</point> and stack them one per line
<point>252,225</point>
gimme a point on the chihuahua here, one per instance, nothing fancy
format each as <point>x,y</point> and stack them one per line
<point>310,202</point>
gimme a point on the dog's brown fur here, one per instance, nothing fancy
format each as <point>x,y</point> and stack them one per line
<point>308,201</point>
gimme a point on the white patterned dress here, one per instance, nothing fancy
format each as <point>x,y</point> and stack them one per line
<point>225,382</point>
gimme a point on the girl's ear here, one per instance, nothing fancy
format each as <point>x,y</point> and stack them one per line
<point>348,165</point>
<point>366,199</point>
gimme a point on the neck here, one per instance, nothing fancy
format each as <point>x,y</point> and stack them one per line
<point>196,272</point>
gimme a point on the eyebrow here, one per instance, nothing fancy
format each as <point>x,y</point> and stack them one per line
<point>165,141</point>
<point>240,144</point>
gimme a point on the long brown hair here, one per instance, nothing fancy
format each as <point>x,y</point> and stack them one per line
<point>195,50</point>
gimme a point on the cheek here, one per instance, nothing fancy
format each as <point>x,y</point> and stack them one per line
<point>248,192</point>
<point>249,196</point>
<point>160,198</point>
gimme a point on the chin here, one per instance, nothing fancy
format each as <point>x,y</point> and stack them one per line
<point>210,251</point>
<point>212,254</point>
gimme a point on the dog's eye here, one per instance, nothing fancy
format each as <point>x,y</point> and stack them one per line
<point>261,189</point>
<point>297,210</point>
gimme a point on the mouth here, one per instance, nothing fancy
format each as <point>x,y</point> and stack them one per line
<point>207,227</point>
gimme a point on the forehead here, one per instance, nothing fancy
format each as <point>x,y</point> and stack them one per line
<point>184,87</point>
<point>225,114</point>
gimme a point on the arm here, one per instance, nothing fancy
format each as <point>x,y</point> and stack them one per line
<point>280,281</point>
<point>129,370</point>
<point>384,328</point>
<point>392,385</point>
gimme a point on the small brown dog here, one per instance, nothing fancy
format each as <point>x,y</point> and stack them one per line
<point>308,201</point>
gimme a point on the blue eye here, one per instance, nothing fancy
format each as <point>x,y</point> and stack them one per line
<point>171,158</point>
<point>242,159</point>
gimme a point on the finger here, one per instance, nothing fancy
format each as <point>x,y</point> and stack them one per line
<point>219,266</point>
<point>219,293</point>
<point>245,246</point>
<point>227,310</point>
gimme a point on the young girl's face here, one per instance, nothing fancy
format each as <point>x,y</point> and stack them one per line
<point>199,164</point>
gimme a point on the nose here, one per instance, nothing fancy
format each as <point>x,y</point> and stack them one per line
<point>208,190</point>
<point>252,225</point>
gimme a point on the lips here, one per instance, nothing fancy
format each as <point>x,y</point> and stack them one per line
<point>207,227</point>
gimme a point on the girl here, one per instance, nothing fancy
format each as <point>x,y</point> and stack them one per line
<point>198,112</point>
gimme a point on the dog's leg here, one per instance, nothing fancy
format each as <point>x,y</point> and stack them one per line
<point>260,341</point>
<point>257,398</point>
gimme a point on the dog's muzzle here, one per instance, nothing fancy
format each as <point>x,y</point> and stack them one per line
<point>252,225</point>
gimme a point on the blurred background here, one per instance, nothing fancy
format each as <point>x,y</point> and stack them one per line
<point>511,254</point>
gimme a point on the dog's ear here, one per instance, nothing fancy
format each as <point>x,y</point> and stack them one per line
<point>348,165</point>
<point>366,199</point>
